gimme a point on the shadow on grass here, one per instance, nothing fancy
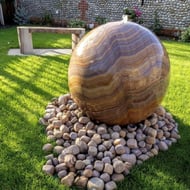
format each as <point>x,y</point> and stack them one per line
<point>21,137</point>
<point>27,85</point>
<point>168,170</point>
<point>182,56</point>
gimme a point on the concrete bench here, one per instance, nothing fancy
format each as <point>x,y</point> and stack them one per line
<point>25,36</point>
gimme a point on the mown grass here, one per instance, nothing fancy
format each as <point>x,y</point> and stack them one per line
<point>27,84</point>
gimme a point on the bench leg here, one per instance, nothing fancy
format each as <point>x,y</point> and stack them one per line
<point>75,40</point>
<point>25,41</point>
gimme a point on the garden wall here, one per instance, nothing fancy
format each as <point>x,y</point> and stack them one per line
<point>173,14</point>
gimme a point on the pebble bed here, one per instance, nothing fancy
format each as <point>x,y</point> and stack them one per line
<point>92,155</point>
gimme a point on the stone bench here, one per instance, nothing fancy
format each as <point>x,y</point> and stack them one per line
<point>25,36</point>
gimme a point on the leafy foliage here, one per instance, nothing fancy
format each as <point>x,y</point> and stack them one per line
<point>100,20</point>
<point>47,18</point>
<point>134,14</point>
<point>77,23</point>
<point>185,35</point>
<point>156,27</point>
<point>21,16</point>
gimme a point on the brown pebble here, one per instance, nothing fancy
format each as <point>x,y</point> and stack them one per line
<point>107,144</point>
<point>122,133</point>
<point>90,133</point>
<point>84,120</point>
<point>117,177</point>
<point>62,173</point>
<point>131,158</point>
<point>81,156</point>
<point>85,138</point>
<point>73,135</point>
<point>49,162</point>
<point>87,173</point>
<point>151,132</point>
<point>59,142</point>
<point>48,169</point>
<point>81,132</point>
<point>160,134</point>
<point>70,160</point>
<point>101,130</point>
<point>108,168</point>
<point>97,138</point>
<point>131,135</point>
<point>109,154</point>
<point>77,126</point>
<point>58,149</point>
<point>140,137</point>
<point>51,138</point>
<point>111,185</point>
<point>66,136</point>
<point>101,148</point>
<point>132,143</point>
<point>82,145</point>
<point>154,151</point>
<point>89,125</point>
<point>120,149</point>
<point>68,179</point>
<point>162,146</point>
<point>79,165</point>
<point>121,141</point>
<point>105,177</point>
<point>92,150</point>
<point>175,135</point>
<point>95,173</point>
<point>100,155</point>
<point>73,149</point>
<point>64,129</point>
<point>106,160</point>
<point>47,147</point>
<point>116,128</point>
<point>95,183</point>
<point>118,166</point>
<point>142,144</point>
<point>81,181</point>
<point>150,140</point>
<point>160,111</point>
<point>115,135</point>
<point>92,143</point>
<point>143,157</point>
<point>106,136</point>
<point>99,165</point>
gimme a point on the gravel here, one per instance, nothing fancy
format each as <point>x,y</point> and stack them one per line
<point>94,155</point>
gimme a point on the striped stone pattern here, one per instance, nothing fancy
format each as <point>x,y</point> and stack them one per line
<point>119,73</point>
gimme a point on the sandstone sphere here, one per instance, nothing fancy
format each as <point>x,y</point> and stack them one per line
<point>119,73</point>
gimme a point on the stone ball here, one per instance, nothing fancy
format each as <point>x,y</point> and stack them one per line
<point>119,73</point>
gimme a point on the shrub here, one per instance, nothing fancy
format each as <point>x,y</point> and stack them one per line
<point>185,35</point>
<point>134,14</point>
<point>100,20</point>
<point>77,23</point>
<point>156,27</point>
<point>47,18</point>
<point>21,16</point>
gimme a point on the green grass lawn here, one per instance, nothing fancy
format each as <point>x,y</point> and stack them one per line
<point>28,83</point>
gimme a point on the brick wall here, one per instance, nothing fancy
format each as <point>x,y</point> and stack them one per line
<point>174,14</point>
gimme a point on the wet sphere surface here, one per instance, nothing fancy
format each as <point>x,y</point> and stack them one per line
<point>119,73</point>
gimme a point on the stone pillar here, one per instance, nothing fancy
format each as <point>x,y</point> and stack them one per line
<point>25,40</point>
<point>1,15</point>
<point>83,7</point>
<point>76,38</point>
